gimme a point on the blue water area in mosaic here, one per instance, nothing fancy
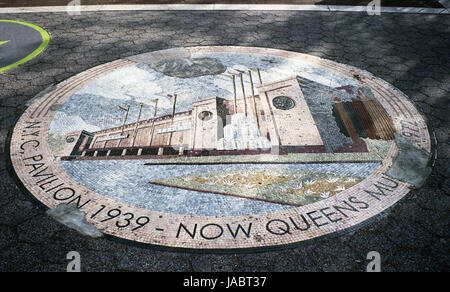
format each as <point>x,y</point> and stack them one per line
<point>128,181</point>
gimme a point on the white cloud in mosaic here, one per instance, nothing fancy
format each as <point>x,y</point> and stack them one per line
<point>99,99</point>
<point>128,83</point>
<point>226,84</point>
<point>275,68</point>
<point>63,124</point>
<point>290,69</point>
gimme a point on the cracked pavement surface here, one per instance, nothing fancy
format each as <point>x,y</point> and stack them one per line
<point>409,51</point>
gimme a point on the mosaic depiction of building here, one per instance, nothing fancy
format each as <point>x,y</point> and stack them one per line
<point>294,115</point>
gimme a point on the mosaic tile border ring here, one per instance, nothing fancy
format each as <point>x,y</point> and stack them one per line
<point>360,203</point>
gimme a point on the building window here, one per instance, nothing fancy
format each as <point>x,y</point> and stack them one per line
<point>283,102</point>
<point>205,115</point>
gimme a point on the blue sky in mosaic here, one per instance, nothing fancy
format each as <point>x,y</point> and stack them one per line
<point>96,106</point>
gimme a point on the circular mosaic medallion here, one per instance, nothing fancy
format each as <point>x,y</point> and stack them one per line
<point>166,149</point>
<point>20,42</point>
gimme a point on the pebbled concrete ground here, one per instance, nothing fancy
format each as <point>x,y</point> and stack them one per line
<point>409,51</point>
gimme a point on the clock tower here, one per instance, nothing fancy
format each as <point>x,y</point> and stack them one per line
<point>290,123</point>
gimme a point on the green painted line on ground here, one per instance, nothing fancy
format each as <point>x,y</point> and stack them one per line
<point>45,41</point>
<point>2,43</point>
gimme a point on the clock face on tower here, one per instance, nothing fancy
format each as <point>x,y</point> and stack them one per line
<point>20,42</point>
<point>205,115</point>
<point>306,148</point>
<point>283,102</point>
